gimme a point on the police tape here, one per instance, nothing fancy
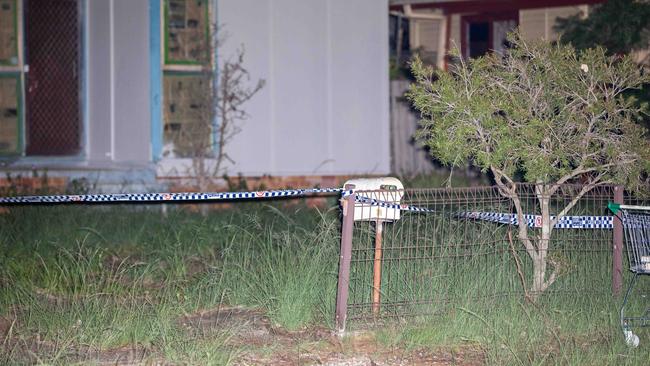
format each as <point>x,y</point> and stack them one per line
<point>164,197</point>
<point>566,222</point>
<point>535,221</point>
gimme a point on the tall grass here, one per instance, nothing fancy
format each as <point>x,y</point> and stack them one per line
<point>79,281</point>
<point>458,282</point>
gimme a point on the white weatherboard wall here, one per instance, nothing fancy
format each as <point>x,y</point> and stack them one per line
<point>118,83</point>
<point>324,109</point>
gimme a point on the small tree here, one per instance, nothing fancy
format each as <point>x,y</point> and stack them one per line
<point>541,112</point>
<point>219,100</point>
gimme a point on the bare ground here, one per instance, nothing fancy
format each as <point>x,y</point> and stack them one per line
<point>256,342</point>
<point>261,343</point>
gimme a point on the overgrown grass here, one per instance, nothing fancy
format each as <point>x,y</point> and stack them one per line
<point>577,331</point>
<point>80,282</point>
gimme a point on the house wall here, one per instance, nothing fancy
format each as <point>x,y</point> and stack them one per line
<point>534,24</point>
<point>323,112</point>
<point>324,109</point>
<point>118,81</point>
<point>131,68</point>
<point>455,32</point>
<point>428,33</point>
<point>539,23</point>
<point>98,135</point>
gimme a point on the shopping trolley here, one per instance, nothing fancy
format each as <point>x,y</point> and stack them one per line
<point>636,224</point>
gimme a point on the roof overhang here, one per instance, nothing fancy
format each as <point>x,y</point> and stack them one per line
<point>482,6</point>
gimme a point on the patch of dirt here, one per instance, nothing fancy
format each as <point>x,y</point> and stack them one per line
<point>53,299</point>
<point>5,326</point>
<point>260,343</point>
<point>196,265</point>
<point>118,356</point>
<point>331,354</point>
<point>256,341</point>
<point>250,326</point>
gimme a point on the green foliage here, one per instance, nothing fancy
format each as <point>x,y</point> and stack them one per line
<point>544,112</point>
<point>397,70</point>
<point>621,26</point>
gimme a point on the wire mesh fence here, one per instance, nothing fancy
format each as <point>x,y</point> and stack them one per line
<point>465,247</point>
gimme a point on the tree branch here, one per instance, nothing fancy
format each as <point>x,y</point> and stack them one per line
<point>520,272</point>
<point>511,192</point>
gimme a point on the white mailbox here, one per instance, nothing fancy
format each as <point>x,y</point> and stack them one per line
<point>384,190</point>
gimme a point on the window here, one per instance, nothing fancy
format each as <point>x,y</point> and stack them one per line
<point>185,84</point>
<point>399,37</point>
<point>186,32</point>
<point>185,130</point>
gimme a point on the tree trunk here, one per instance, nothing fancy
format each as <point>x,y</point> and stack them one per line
<point>540,262</point>
<point>203,182</point>
<point>539,277</point>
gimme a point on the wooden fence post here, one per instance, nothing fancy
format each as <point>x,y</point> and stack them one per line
<point>617,248</point>
<point>376,277</point>
<point>344,261</point>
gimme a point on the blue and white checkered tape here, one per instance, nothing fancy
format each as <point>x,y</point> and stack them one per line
<point>566,222</point>
<point>534,221</point>
<point>163,197</point>
<point>396,206</point>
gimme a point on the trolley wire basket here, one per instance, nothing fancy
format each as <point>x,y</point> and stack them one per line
<point>636,225</point>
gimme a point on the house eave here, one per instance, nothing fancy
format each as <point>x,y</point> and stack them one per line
<point>481,6</point>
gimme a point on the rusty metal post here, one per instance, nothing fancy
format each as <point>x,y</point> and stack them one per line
<point>344,261</point>
<point>376,279</point>
<point>617,248</point>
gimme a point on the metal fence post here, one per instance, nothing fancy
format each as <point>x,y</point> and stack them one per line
<point>617,249</point>
<point>344,261</point>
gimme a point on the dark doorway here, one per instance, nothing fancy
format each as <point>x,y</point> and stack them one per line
<point>52,39</point>
<point>479,39</point>
<point>483,33</point>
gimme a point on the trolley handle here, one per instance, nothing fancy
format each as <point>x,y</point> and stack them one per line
<point>615,207</point>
